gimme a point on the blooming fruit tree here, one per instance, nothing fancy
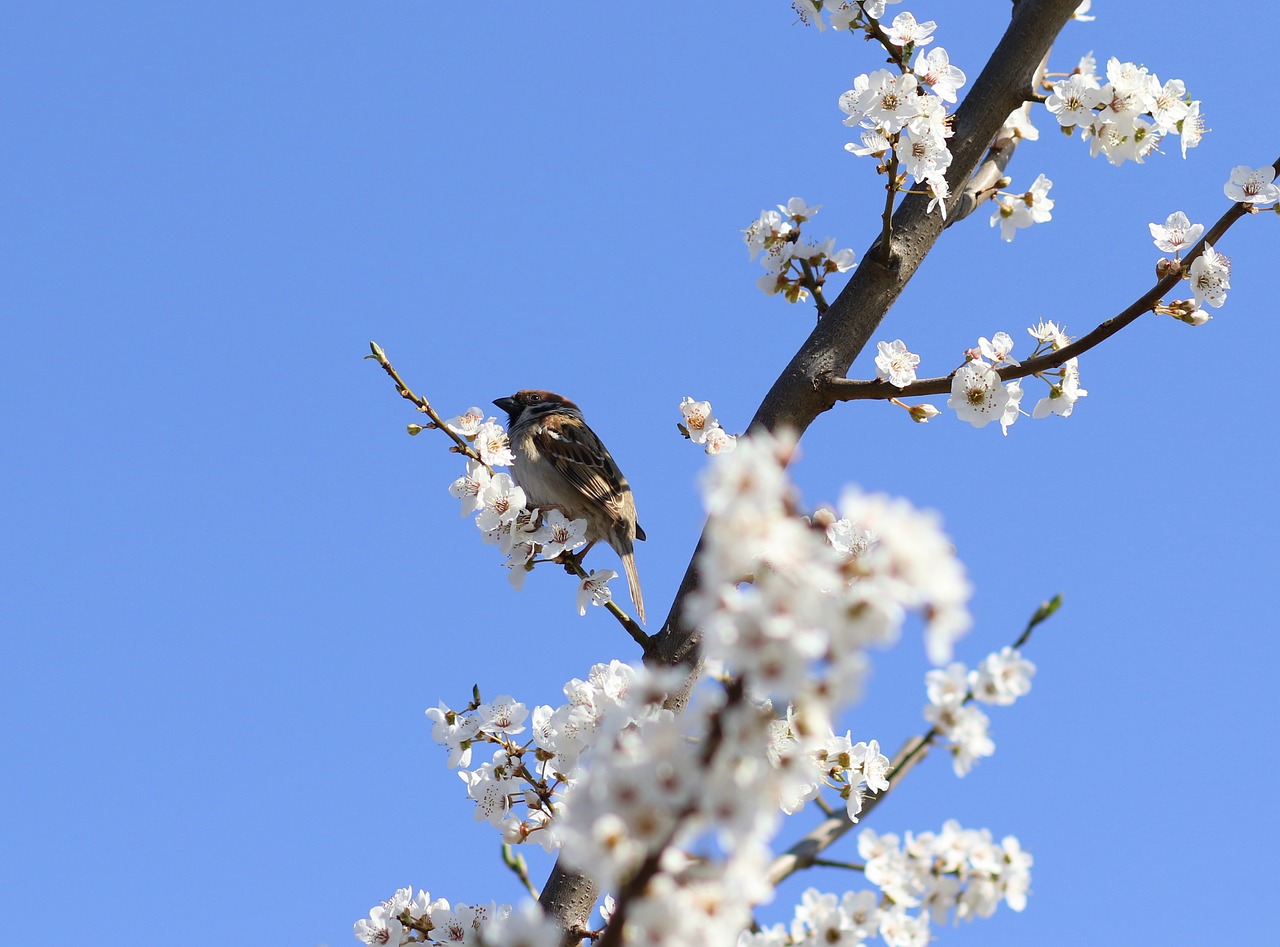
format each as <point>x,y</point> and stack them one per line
<point>661,785</point>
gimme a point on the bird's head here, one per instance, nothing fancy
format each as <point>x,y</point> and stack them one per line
<point>535,402</point>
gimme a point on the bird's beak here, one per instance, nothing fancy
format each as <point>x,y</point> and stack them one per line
<point>507,404</point>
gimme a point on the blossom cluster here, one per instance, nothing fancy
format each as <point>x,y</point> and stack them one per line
<point>902,114</point>
<point>524,536</point>
<point>787,605</point>
<point>843,14</point>
<point>407,918</point>
<point>854,770</point>
<point>792,268</point>
<point>956,872</point>
<point>1013,212</point>
<point>978,394</point>
<point>701,428</point>
<point>533,757</point>
<point>999,680</point>
<point>785,600</point>
<point>1209,274</point>
<point>1126,117</point>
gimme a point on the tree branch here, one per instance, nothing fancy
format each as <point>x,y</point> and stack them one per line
<point>796,398</point>
<point>798,395</point>
<point>847,389</point>
<point>379,356</point>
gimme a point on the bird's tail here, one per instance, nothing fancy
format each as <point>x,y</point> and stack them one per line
<point>628,557</point>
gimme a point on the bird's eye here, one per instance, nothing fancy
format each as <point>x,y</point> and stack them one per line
<point>535,398</point>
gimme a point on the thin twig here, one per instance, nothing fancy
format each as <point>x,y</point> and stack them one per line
<point>828,863</point>
<point>418,401</point>
<point>517,864</point>
<point>874,30</point>
<point>814,285</point>
<point>986,182</point>
<point>886,229</point>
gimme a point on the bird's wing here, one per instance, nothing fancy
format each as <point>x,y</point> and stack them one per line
<point>578,456</point>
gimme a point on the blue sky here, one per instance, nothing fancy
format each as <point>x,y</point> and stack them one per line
<point>232,584</point>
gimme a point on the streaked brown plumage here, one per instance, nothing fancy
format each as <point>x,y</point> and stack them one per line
<point>562,464</point>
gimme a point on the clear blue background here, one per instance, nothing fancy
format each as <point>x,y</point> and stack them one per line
<point>231,584</point>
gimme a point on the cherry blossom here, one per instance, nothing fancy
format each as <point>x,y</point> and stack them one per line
<point>977,394</point>
<point>1210,277</point>
<point>895,363</point>
<point>1177,234</point>
<point>1252,185</point>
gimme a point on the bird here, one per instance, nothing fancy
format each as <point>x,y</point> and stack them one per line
<point>561,464</point>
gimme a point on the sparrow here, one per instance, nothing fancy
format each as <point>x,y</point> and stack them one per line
<point>561,464</point>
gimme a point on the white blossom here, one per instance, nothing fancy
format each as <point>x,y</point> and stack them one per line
<point>504,715</point>
<point>1049,333</point>
<point>904,30</point>
<point>1002,678</point>
<point>492,445</point>
<point>1013,212</point>
<point>997,350</point>
<point>874,144</point>
<point>455,732</point>
<point>697,418</point>
<point>559,534</point>
<point>717,441</point>
<point>594,589</point>
<point>501,501</point>
<point>1013,407</point>
<point>1191,129</point>
<point>469,486</point>
<point>895,363</point>
<point>1062,396</point>
<point>1252,185</point>
<point>798,211</point>
<point>977,394</point>
<point>936,71</point>
<point>1210,277</point>
<point>923,156</point>
<point>1177,234</point>
<point>1073,100</point>
<point>466,425</point>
